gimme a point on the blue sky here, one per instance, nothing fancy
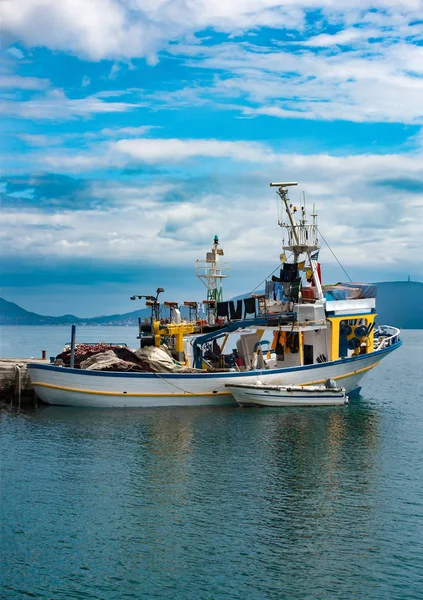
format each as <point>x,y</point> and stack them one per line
<point>134,130</point>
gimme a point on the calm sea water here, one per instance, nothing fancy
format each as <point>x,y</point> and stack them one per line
<point>27,342</point>
<point>215,503</point>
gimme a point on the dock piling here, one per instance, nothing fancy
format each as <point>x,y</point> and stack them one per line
<point>72,356</point>
<point>18,385</point>
<point>15,385</point>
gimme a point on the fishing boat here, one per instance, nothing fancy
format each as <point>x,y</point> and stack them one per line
<point>258,394</point>
<point>295,332</point>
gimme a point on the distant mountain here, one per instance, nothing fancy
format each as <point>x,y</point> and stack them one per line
<point>399,303</point>
<point>130,318</point>
<point>12,314</point>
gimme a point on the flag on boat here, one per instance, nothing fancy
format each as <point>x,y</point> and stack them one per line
<point>315,255</point>
<point>282,257</point>
<point>301,265</point>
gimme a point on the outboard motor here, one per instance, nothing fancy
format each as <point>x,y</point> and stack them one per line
<point>330,384</point>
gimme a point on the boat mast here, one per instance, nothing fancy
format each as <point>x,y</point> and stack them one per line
<point>302,237</point>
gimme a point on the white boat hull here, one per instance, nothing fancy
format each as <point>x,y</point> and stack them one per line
<point>76,387</point>
<point>287,396</point>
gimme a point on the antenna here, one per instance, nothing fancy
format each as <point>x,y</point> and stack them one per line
<point>283,184</point>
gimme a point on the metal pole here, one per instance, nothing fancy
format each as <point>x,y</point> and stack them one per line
<point>72,357</point>
<point>18,384</point>
<point>284,196</point>
<point>317,282</point>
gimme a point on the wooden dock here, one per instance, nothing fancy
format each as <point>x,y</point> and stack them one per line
<point>15,385</point>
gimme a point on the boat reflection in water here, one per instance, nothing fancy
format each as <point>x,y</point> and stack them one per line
<point>209,469</point>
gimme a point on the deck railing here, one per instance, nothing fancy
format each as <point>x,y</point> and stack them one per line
<point>387,335</point>
<point>303,235</point>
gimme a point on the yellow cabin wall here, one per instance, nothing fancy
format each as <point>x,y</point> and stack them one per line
<point>371,339</point>
<point>335,327</point>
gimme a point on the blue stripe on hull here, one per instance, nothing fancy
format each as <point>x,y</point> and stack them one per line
<point>232,374</point>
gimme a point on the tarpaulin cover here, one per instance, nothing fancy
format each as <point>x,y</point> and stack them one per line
<point>349,291</point>
<point>367,290</point>
<point>160,360</point>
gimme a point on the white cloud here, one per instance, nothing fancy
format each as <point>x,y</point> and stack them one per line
<point>98,29</point>
<point>373,82</point>
<point>151,151</point>
<point>35,139</point>
<point>175,150</point>
<point>55,105</point>
<point>369,70</point>
<point>23,83</point>
<point>127,131</point>
<point>114,71</point>
<point>72,162</point>
<point>344,37</point>
<point>369,207</point>
<point>84,139</point>
<point>16,52</point>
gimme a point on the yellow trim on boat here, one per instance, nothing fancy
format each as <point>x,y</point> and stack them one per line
<point>342,376</point>
<point>96,393</point>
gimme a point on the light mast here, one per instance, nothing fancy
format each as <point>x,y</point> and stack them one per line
<point>211,272</point>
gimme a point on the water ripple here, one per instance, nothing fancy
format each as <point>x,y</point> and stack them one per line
<point>218,503</point>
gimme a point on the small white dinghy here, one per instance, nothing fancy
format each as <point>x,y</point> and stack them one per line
<point>258,394</point>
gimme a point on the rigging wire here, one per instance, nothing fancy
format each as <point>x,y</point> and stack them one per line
<point>336,258</point>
